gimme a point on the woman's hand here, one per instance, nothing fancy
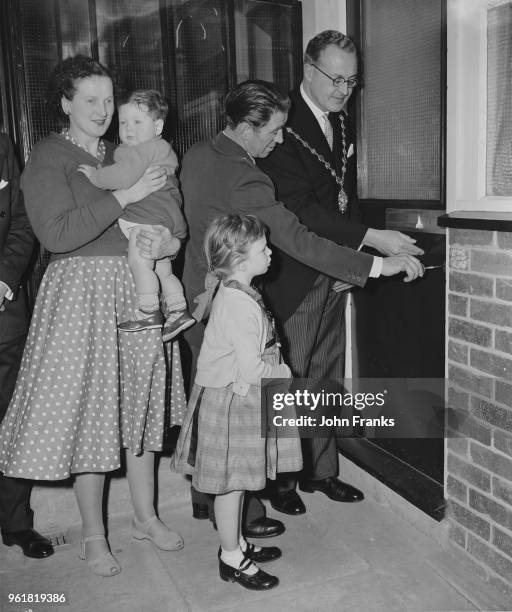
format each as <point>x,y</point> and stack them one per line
<point>156,241</point>
<point>152,180</point>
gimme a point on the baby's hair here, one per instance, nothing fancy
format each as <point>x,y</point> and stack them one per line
<point>227,240</point>
<point>153,100</point>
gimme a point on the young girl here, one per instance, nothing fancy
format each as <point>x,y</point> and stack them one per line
<point>221,442</point>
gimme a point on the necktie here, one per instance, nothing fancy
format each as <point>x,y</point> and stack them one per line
<point>327,129</point>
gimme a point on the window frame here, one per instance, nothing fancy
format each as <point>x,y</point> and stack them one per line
<point>466,159</point>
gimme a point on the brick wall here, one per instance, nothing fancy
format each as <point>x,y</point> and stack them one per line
<point>479,463</point>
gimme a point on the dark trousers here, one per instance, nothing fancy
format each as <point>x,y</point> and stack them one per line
<point>15,512</point>
<point>253,507</point>
<point>314,347</point>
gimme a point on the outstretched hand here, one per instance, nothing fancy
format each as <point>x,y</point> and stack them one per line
<point>391,242</point>
<point>402,263</point>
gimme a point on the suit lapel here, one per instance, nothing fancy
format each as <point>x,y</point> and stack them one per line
<point>307,127</point>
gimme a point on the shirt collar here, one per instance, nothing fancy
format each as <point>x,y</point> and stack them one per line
<point>238,145</point>
<point>318,112</point>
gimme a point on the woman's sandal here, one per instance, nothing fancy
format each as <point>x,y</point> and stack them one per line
<point>106,565</point>
<point>165,540</point>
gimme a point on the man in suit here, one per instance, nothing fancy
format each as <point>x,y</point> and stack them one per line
<point>16,243</point>
<point>220,177</point>
<point>314,174</point>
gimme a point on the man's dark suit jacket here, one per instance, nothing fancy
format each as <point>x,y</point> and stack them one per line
<point>16,243</point>
<point>309,190</point>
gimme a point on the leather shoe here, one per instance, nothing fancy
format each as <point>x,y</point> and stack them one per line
<point>263,528</point>
<point>32,544</point>
<point>288,502</point>
<point>200,511</point>
<point>333,488</point>
<point>261,581</point>
<point>263,555</point>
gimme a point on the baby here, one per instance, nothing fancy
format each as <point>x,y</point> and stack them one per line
<point>141,120</point>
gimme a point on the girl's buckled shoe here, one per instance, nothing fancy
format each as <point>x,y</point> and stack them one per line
<point>261,581</point>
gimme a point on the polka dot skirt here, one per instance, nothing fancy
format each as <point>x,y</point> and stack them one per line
<point>84,389</point>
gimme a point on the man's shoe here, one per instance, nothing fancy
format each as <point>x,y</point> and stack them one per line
<point>200,511</point>
<point>288,503</point>
<point>176,322</point>
<point>263,528</point>
<point>32,544</point>
<point>155,321</point>
<point>333,488</point>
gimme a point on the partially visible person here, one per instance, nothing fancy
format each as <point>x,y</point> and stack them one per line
<point>84,391</point>
<point>221,443</point>
<point>142,115</point>
<point>16,244</point>
<point>314,174</point>
<point>230,182</point>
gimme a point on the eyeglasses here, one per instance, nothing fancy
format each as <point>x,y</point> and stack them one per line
<point>350,83</point>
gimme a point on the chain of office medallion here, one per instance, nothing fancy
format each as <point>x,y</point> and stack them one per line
<point>342,198</point>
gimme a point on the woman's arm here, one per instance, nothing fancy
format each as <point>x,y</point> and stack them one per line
<point>65,210</point>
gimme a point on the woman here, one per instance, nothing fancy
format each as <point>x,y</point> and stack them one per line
<point>83,392</point>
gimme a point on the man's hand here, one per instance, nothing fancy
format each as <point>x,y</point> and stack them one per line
<point>156,241</point>
<point>391,242</point>
<point>3,292</point>
<point>402,263</point>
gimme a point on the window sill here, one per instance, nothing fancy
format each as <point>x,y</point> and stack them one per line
<point>477,220</point>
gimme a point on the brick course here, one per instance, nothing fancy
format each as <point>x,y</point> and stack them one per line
<point>479,366</point>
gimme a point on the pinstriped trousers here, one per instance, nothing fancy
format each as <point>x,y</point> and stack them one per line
<point>314,339</point>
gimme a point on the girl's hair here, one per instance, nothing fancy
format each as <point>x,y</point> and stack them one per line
<point>153,100</point>
<point>63,79</point>
<point>227,240</point>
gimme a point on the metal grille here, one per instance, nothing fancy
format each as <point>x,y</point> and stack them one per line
<point>200,70</point>
<point>262,39</point>
<point>401,100</point>
<point>193,51</point>
<point>499,103</point>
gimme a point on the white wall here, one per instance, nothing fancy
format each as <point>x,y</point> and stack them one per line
<point>318,15</point>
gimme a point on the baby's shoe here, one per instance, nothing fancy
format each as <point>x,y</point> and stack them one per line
<point>154,321</point>
<point>176,322</point>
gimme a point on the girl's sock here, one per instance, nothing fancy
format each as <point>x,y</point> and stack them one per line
<point>233,558</point>
<point>243,545</point>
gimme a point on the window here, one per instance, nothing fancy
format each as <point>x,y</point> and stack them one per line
<point>401,101</point>
<point>479,151</point>
<point>191,50</point>
<point>499,101</point>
